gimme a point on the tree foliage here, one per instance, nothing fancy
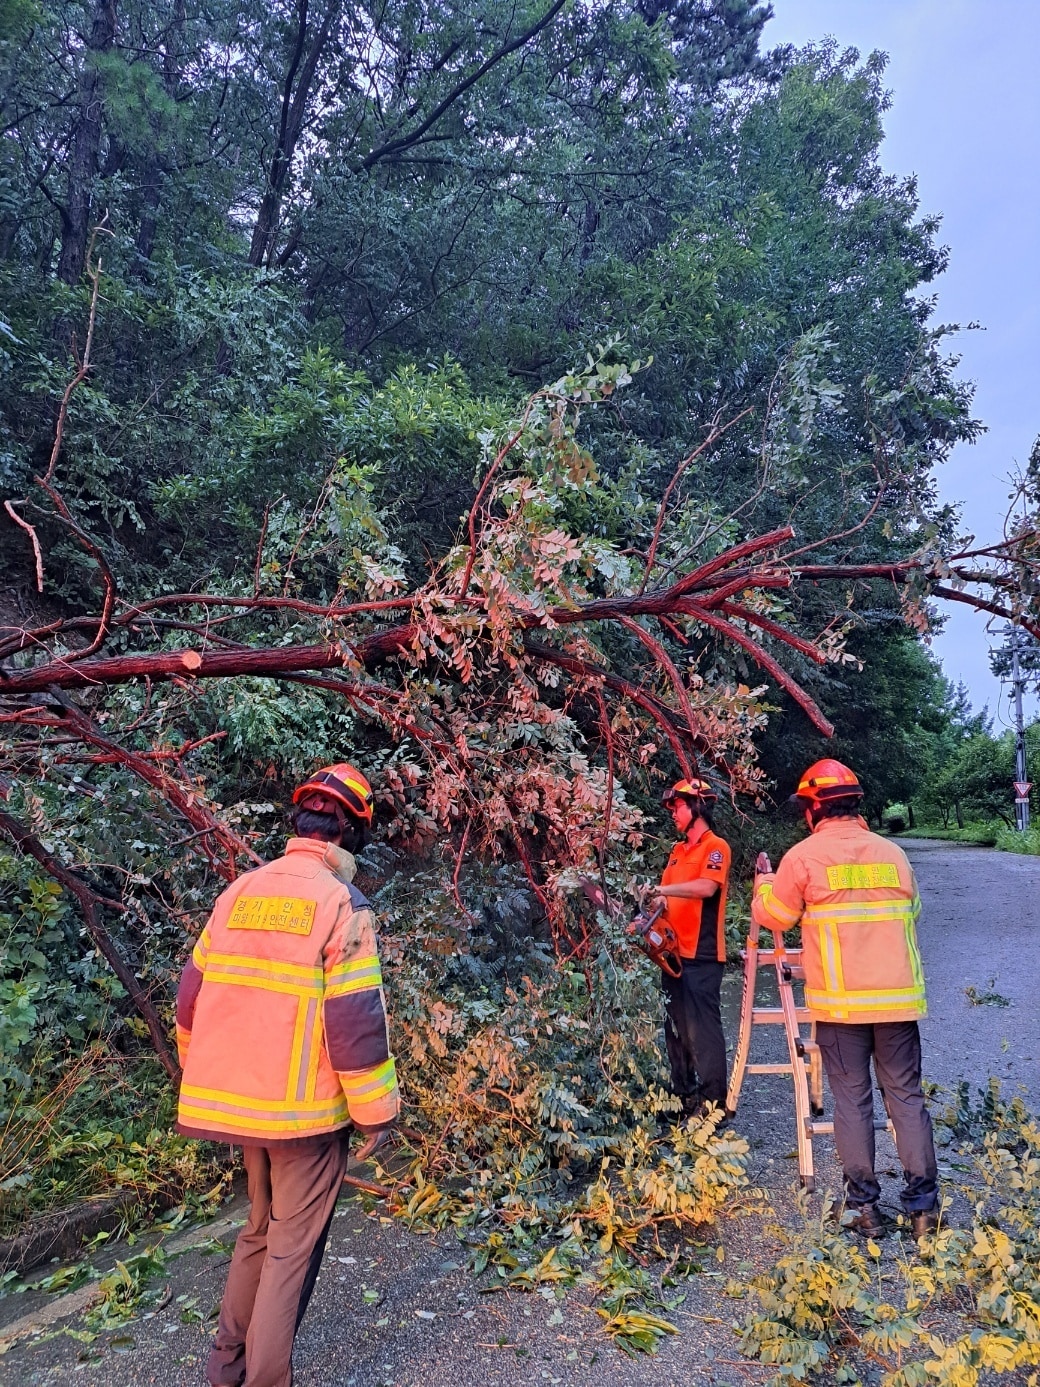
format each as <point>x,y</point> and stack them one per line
<point>829,1306</point>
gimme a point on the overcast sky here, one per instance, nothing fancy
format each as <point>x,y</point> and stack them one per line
<point>965,118</point>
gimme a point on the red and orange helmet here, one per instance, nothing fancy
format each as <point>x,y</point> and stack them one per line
<point>335,789</point>
<point>824,780</point>
<point>690,789</point>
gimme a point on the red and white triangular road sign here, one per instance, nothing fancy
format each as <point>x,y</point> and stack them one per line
<point>1022,788</point>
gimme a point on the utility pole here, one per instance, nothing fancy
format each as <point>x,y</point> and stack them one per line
<point>1021,769</point>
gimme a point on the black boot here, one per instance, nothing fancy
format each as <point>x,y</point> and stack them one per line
<point>692,1104</point>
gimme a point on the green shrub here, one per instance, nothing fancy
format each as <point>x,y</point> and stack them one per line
<point>982,835</point>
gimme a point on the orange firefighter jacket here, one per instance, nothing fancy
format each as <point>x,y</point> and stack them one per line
<point>281,1025</point>
<point>856,898</point>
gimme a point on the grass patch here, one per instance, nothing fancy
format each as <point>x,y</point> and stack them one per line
<point>1010,840</point>
<point>105,1128</point>
<point>984,835</point>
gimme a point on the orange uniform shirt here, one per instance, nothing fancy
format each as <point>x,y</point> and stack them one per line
<point>699,925</point>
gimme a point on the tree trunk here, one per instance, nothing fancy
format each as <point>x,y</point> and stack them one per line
<point>151,186</point>
<point>150,165</point>
<point>86,145</point>
<point>910,814</point>
<point>296,93</point>
<point>957,811</point>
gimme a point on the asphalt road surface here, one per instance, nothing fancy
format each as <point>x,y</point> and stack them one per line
<point>398,1309</point>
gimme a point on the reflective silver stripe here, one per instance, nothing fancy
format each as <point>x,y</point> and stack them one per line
<point>830,953</point>
<point>775,907</point>
<point>369,1084</point>
<point>841,913</point>
<point>237,1105</point>
<point>860,1000</point>
<point>306,1050</point>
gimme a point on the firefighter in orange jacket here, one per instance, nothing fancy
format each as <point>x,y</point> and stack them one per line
<point>693,889</point>
<point>283,1040</point>
<point>856,898</point>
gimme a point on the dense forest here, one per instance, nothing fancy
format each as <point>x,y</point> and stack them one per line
<point>530,402</point>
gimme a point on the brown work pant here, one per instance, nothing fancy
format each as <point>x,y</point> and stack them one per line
<point>292,1197</point>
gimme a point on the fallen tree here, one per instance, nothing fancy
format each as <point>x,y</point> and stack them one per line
<point>518,693</point>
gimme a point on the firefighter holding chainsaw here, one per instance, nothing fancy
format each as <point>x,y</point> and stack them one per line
<point>855,895</point>
<point>693,893</point>
<point>283,1040</point>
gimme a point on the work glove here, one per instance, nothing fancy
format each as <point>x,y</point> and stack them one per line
<point>374,1140</point>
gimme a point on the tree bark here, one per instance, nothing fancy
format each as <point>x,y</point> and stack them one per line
<point>86,145</point>
<point>150,166</point>
<point>151,190</point>
<point>213,664</point>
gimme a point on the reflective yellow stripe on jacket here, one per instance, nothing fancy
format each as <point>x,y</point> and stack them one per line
<point>299,1109</point>
<point>831,922</point>
<point>353,976</point>
<point>779,913</point>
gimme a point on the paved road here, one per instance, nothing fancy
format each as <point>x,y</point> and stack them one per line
<point>430,1326</point>
<point>980,929</point>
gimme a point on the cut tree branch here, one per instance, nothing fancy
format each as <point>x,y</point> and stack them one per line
<point>764,661</point>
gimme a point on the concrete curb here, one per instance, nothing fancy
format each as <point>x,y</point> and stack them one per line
<point>75,1302</point>
<point>62,1234</point>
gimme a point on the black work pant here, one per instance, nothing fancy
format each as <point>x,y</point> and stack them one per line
<point>896,1049</point>
<point>292,1197</point>
<point>693,1033</point>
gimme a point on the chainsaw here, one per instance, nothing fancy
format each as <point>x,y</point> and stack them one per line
<point>659,942</point>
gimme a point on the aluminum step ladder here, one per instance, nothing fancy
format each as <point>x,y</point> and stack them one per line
<point>804,1062</point>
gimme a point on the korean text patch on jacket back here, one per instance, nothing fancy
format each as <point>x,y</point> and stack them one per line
<point>284,914</point>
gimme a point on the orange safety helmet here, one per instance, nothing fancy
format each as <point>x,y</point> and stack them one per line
<point>333,789</point>
<point>690,789</point>
<point>824,780</point>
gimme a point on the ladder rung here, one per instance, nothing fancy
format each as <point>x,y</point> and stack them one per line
<point>826,1129</point>
<point>769,1069</point>
<point>793,972</point>
<point>774,1016</point>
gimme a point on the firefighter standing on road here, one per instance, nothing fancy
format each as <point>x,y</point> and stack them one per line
<point>693,889</point>
<point>856,898</point>
<point>283,1039</point>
